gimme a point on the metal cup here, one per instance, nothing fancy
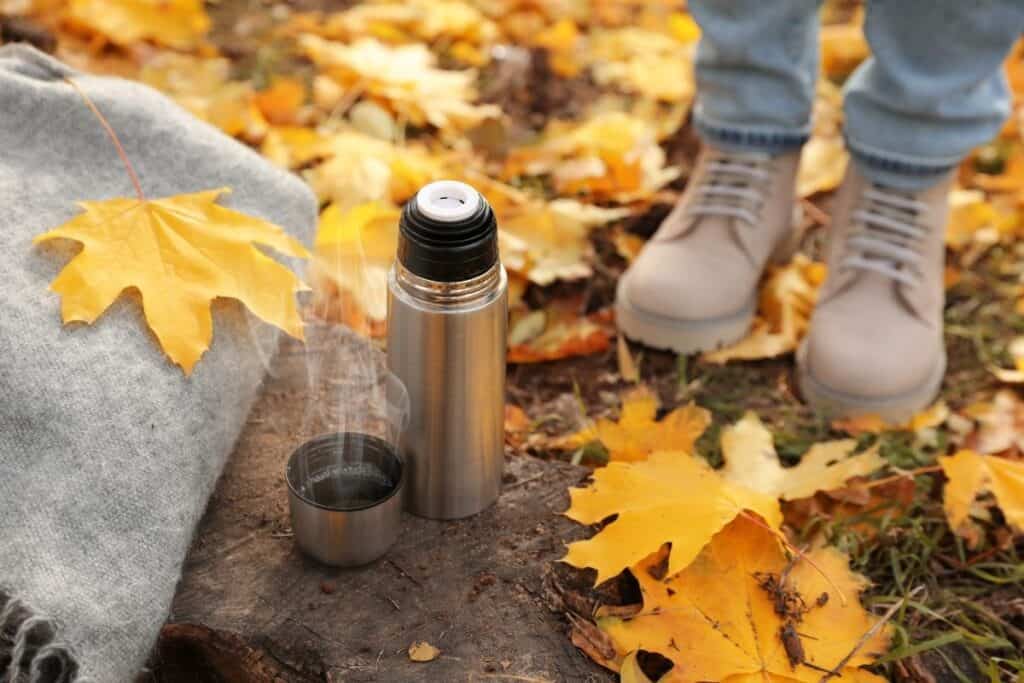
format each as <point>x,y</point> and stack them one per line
<point>345,487</point>
<point>345,496</point>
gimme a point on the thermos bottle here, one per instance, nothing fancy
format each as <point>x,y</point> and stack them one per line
<point>447,319</point>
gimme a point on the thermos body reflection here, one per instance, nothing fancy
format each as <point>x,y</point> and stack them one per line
<point>447,320</point>
<point>452,359</point>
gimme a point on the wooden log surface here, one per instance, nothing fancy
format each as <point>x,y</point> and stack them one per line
<point>251,607</point>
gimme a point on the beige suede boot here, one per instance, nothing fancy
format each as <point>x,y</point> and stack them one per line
<point>875,340</point>
<point>694,285</point>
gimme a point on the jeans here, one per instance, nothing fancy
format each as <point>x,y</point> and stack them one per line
<point>933,89</point>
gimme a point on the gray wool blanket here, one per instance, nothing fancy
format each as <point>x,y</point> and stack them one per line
<point>108,452</point>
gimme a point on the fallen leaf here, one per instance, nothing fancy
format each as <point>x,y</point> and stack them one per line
<point>843,48</point>
<point>360,168</point>
<point>547,241</point>
<point>630,671</point>
<point>822,165</point>
<point>411,21</point>
<point>719,619</point>
<point>787,298</point>
<point>180,253</point>
<point>1000,424</point>
<point>971,474</point>
<point>565,333</point>
<point>517,425</point>
<point>636,434</point>
<point>642,62</point>
<point>627,365</point>
<point>204,87</point>
<point>405,77</point>
<point>871,423</point>
<point>281,102</point>
<point>751,461</point>
<point>824,157</point>
<point>611,155</point>
<point>562,41</point>
<point>180,24</point>
<point>1015,349</point>
<point>422,651</point>
<point>672,497</point>
<point>861,506</point>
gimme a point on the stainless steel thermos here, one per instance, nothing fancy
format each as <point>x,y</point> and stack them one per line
<point>447,319</point>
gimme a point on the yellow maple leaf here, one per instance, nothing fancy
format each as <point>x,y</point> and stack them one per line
<point>671,497</point>
<point>751,461</point>
<point>636,434</point>
<point>176,23</point>
<point>180,253</point>
<point>406,77</point>
<point>971,474</point>
<point>788,295</point>
<point>718,619</point>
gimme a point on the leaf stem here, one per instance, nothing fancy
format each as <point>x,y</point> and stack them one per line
<point>113,137</point>
<point>906,474</point>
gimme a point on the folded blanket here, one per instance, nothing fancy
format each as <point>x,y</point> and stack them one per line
<point>108,452</point>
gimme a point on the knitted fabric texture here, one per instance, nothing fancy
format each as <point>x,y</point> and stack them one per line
<point>108,452</point>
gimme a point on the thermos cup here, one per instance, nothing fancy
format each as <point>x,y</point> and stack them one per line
<point>447,319</point>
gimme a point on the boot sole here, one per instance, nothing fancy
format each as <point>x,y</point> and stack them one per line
<point>680,336</point>
<point>897,409</point>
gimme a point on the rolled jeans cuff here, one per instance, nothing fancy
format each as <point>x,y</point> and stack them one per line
<point>898,170</point>
<point>759,139</point>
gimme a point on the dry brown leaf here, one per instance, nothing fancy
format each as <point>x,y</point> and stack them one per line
<point>558,331</point>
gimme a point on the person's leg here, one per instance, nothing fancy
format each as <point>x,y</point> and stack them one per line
<point>932,91</point>
<point>934,88</point>
<point>694,286</point>
<point>757,64</point>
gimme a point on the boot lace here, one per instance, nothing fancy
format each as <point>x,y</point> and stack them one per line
<point>889,235</point>
<point>734,185</point>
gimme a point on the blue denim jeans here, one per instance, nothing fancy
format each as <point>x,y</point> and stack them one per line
<point>933,89</point>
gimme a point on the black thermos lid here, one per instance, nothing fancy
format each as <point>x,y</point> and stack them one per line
<point>448,233</point>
